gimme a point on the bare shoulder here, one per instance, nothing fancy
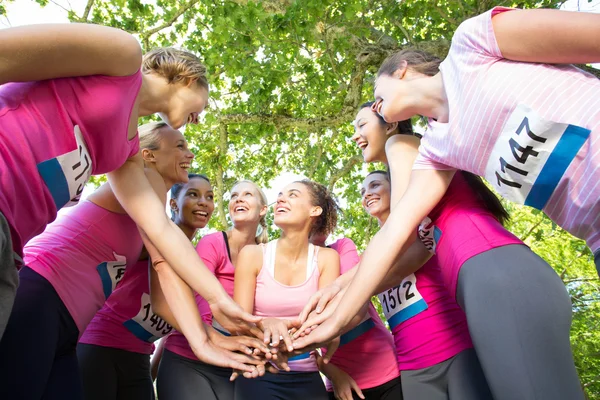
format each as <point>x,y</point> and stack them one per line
<point>328,258</point>
<point>250,258</point>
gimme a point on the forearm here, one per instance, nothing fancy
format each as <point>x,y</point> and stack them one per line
<point>409,263</point>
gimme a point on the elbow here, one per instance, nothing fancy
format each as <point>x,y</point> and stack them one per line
<point>129,53</point>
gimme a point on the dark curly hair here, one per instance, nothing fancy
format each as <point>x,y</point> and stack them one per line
<point>322,197</point>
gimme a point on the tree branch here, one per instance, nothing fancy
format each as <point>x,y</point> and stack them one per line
<point>87,10</point>
<point>220,189</point>
<point>171,20</point>
<point>284,120</point>
<point>357,159</point>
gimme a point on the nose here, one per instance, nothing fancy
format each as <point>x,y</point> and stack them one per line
<point>189,154</point>
<point>355,136</point>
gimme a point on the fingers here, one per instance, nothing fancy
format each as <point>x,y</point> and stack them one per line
<point>312,303</point>
<point>355,387</point>
<point>288,341</point>
<point>325,299</point>
<point>331,349</point>
<point>234,376</point>
<point>313,320</point>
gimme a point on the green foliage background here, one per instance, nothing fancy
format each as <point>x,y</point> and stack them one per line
<point>286,79</point>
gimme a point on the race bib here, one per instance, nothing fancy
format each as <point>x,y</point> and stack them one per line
<point>111,273</point>
<point>66,175</point>
<point>429,234</point>
<point>402,302</point>
<point>146,325</point>
<point>531,156</point>
<point>365,325</point>
<point>218,327</point>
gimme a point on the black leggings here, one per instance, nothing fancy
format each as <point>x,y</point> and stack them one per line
<point>114,374</point>
<point>519,316</point>
<point>9,278</point>
<point>282,386</point>
<point>180,378</point>
<point>458,378</point>
<point>37,351</point>
<point>391,390</point>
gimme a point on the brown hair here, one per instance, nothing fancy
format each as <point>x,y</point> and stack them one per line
<point>404,127</point>
<point>418,60</point>
<point>175,65</point>
<point>321,196</point>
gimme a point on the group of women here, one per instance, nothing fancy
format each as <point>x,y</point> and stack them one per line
<point>473,312</point>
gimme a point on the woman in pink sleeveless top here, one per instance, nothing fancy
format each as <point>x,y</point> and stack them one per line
<point>366,359</point>
<point>433,345</point>
<point>70,99</point>
<point>114,351</point>
<point>181,376</point>
<point>72,268</point>
<point>276,280</point>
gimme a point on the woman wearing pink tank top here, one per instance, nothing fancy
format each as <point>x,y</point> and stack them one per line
<point>433,345</point>
<point>181,376</point>
<point>72,268</point>
<point>366,360</point>
<point>114,351</point>
<point>76,117</point>
<point>516,306</point>
<point>276,280</point>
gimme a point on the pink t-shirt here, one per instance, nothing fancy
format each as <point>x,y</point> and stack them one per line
<point>214,251</point>
<point>465,229</point>
<point>274,299</point>
<point>126,321</point>
<point>84,254</point>
<point>54,135</point>
<point>367,352</point>
<point>428,325</point>
<point>533,130</point>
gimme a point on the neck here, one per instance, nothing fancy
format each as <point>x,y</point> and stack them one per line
<point>383,217</point>
<point>293,245</point>
<point>168,183</point>
<point>188,230</point>
<point>428,97</point>
<point>240,236</point>
<point>153,96</point>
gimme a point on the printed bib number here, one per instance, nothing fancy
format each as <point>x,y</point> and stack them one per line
<point>402,302</point>
<point>66,175</point>
<point>429,234</point>
<point>146,325</point>
<point>531,156</point>
<point>111,273</point>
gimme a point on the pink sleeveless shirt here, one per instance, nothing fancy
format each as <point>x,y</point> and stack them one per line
<point>464,228</point>
<point>213,249</point>
<point>84,254</point>
<point>126,321</point>
<point>367,352</point>
<point>273,299</point>
<point>54,135</point>
<point>428,325</point>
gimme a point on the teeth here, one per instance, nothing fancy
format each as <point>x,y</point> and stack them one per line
<point>202,213</point>
<point>185,165</point>
<point>370,202</point>
<point>240,209</point>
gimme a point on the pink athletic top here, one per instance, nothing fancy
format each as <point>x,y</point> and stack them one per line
<point>367,352</point>
<point>214,251</point>
<point>273,299</point>
<point>54,135</point>
<point>84,254</point>
<point>428,325</point>
<point>533,130</point>
<point>126,321</point>
<point>464,228</point>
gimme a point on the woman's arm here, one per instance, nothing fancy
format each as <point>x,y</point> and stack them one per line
<point>249,263</point>
<point>66,50</point>
<point>548,36</point>
<point>329,264</point>
<point>135,194</point>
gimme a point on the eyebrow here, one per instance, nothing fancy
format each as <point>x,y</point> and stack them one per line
<point>294,190</point>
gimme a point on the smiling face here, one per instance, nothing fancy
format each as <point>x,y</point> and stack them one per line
<point>375,193</point>
<point>195,203</point>
<point>370,135</point>
<point>246,204</point>
<point>187,101</point>
<point>173,158</point>
<point>295,206</point>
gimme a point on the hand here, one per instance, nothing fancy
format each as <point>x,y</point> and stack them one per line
<point>317,317</point>
<point>319,300</point>
<point>343,385</point>
<point>321,336</point>
<point>232,317</point>
<point>210,353</point>
<point>245,344</point>
<point>275,328</point>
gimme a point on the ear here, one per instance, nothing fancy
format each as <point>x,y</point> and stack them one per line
<point>391,127</point>
<point>263,211</point>
<point>173,204</point>
<point>190,83</point>
<point>316,211</point>
<point>401,71</point>
<point>148,155</point>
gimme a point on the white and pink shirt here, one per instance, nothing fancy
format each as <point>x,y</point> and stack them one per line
<point>54,135</point>
<point>84,255</point>
<point>532,130</point>
<point>126,321</point>
<point>367,352</point>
